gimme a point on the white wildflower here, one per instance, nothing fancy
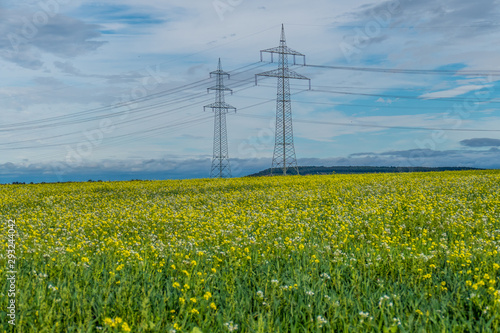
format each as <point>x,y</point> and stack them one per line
<point>231,326</point>
<point>321,321</point>
<point>364,314</point>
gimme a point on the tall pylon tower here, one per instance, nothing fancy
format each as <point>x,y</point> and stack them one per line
<point>284,150</point>
<point>220,160</point>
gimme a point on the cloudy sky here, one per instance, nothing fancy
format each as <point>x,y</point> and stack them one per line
<point>115,89</point>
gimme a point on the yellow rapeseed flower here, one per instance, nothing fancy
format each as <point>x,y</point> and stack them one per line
<point>125,327</point>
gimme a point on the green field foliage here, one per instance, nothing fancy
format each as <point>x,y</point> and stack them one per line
<point>335,253</point>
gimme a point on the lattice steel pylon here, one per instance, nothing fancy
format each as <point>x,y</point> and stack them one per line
<point>284,150</point>
<point>220,161</point>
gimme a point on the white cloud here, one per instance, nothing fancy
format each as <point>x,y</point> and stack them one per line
<point>455,91</point>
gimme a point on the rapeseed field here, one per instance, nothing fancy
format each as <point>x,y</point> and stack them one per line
<point>335,253</point>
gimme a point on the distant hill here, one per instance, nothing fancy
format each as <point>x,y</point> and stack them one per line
<point>322,170</point>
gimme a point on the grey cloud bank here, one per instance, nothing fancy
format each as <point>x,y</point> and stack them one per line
<point>26,34</point>
<point>480,142</point>
<point>110,170</point>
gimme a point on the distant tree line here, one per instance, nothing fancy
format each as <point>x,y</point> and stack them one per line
<point>322,170</point>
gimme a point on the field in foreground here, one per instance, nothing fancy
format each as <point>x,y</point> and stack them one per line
<point>353,253</point>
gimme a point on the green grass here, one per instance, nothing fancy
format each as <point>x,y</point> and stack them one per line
<point>342,253</point>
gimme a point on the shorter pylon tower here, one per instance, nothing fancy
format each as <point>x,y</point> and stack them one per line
<point>284,150</point>
<point>220,161</point>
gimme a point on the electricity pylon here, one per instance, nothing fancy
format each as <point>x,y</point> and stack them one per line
<point>284,150</point>
<point>220,160</point>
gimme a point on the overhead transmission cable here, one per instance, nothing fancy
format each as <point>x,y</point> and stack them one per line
<point>191,85</point>
<point>372,125</point>
<point>434,98</point>
<point>458,72</point>
<point>134,120</point>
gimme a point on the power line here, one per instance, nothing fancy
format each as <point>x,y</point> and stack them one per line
<point>377,106</point>
<point>374,126</point>
<point>163,63</point>
<point>420,98</point>
<point>134,120</point>
<point>389,27</point>
<point>440,99</point>
<point>40,122</point>
<point>459,72</point>
<point>96,113</point>
<point>146,133</point>
<point>114,137</point>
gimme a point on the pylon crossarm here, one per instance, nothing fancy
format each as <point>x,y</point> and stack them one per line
<point>220,105</point>
<point>219,73</point>
<point>220,88</point>
<point>283,50</point>
<point>283,73</point>
<point>293,53</point>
